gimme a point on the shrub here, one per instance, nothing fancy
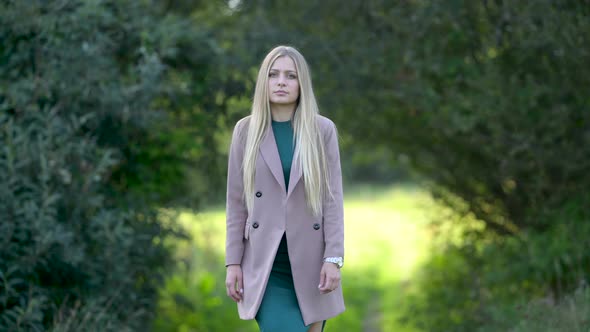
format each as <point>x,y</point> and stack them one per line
<point>469,285</point>
<point>80,250</point>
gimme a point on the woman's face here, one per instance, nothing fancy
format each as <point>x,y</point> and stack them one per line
<point>283,83</point>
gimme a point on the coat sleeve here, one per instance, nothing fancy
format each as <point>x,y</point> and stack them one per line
<point>236,211</point>
<point>333,205</point>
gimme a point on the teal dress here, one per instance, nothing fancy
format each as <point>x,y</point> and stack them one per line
<point>279,310</point>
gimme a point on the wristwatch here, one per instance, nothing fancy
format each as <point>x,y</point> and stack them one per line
<point>336,260</point>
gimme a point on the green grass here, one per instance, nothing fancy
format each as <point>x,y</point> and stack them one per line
<point>386,239</point>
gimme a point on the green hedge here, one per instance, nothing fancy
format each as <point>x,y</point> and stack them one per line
<point>487,284</point>
<point>569,313</point>
<point>80,244</point>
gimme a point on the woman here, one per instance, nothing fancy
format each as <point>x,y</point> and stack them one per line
<point>285,229</point>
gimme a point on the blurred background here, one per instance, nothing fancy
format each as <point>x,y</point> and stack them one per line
<point>464,132</point>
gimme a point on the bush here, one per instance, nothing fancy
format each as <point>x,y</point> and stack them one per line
<point>476,284</point>
<point>80,249</point>
<point>570,313</point>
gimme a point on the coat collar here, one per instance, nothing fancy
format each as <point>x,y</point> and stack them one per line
<point>270,154</point>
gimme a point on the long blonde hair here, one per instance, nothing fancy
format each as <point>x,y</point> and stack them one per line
<point>309,145</point>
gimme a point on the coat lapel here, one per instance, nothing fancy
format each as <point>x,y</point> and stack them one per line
<point>270,154</point>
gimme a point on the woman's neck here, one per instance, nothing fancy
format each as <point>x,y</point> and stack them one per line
<point>282,113</point>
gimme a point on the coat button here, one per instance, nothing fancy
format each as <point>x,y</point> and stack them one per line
<point>255,225</point>
<point>258,194</point>
<point>316,226</point>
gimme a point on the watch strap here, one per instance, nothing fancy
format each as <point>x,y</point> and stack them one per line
<point>336,260</point>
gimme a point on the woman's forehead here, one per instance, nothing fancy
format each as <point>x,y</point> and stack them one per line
<point>283,63</point>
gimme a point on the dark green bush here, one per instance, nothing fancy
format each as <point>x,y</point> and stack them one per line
<point>81,240</point>
<point>471,285</point>
<point>570,313</point>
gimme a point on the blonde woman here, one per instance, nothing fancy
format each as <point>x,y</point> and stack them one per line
<point>285,220</point>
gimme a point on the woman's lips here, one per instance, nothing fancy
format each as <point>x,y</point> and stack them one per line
<point>280,92</point>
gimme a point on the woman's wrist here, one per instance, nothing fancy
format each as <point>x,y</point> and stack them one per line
<point>335,260</point>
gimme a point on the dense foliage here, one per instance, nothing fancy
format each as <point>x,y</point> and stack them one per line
<point>94,139</point>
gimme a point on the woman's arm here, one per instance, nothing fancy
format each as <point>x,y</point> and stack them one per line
<point>333,206</point>
<point>236,211</point>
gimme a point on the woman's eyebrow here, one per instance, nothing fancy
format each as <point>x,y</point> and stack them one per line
<point>286,70</point>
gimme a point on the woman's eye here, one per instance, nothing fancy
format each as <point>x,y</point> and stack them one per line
<point>272,75</point>
<point>292,76</point>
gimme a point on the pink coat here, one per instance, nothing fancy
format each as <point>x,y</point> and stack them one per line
<point>253,240</point>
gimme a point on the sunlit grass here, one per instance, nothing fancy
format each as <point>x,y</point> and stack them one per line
<point>385,241</point>
<point>386,228</point>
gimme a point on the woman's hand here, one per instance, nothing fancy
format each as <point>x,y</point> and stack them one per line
<point>233,282</point>
<point>329,278</point>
